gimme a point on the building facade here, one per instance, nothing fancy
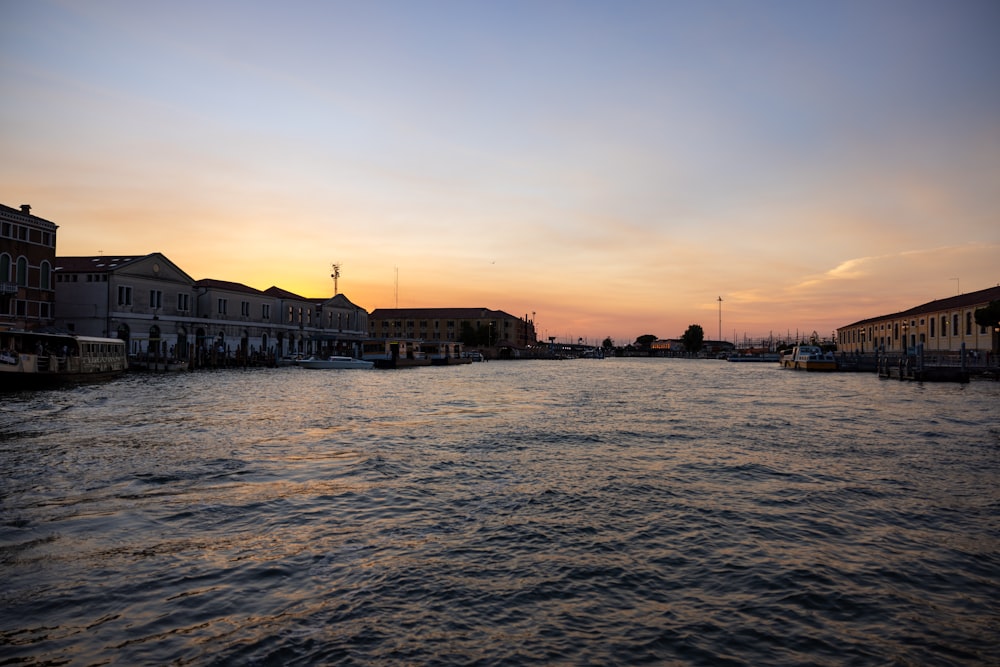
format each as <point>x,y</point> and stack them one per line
<point>944,325</point>
<point>27,258</point>
<point>493,328</point>
<point>162,312</point>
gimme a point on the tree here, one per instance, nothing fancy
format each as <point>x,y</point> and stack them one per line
<point>989,316</point>
<point>608,343</point>
<point>645,340</point>
<point>693,339</point>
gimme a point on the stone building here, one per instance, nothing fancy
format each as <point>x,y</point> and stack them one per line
<point>161,311</point>
<point>943,325</point>
<point>497,328</point>
<point>27,257</point>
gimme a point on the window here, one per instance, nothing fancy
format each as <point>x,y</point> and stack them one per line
<point>155,298</point>
<point>944,326</point>
<point>933,320</point>
<point>222,307</point>
<point>45,276</point>
<point>968,323</point>
<point>954,324</point>
<point>265,311</point>
<point>22,271</point>
<point>124,295</point>
<point>4,267</point>
<point>183,302</point>
<point>245,308</point>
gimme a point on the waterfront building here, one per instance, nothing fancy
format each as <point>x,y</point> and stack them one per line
<point>145,300</point>
<point>943,325</point>
<point>27,257</point>
<point>161,312</point>
<point>674,347</point>
<point>494,328</point>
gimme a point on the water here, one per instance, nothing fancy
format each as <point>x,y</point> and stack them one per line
<point>622,511</point>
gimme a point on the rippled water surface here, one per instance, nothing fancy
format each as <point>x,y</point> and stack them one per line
<point>579,512</point>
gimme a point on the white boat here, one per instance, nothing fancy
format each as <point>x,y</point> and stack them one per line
<point>808,358</point>
<point>31,360</point>
<point>335,362</point>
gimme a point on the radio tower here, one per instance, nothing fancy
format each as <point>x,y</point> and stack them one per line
<point>335,275</point>
<point>720,319</point>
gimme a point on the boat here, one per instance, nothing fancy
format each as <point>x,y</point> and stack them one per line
<point>808,358</point>
<point>154,365</point>
<point>335,362</point>
<point>34,360</point>
<point>764,356</point>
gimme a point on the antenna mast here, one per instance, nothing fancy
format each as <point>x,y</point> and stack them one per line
<point>335,275</point>
<point>720,319</point>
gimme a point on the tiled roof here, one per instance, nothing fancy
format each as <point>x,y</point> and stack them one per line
<point>437,313</point>
<point>957,302</point>
<point>212,283</point>
<point>94,264</point>
<point>285,294</point>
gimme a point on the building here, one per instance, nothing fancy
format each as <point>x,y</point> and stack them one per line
<point>146,300</point>
<point>943,325</point>
<point>160,311</point>
<point>27,257</point>
<point>486,327</point>
<point>674,347</point>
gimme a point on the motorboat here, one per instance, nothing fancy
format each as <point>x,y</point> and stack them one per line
<point>808,358</point>
<point>335,362</point>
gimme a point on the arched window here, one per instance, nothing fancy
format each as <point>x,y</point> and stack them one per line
<point>45,276</point>
<point>22,271</point>
<point>944,326</point>
<point>4,267</point>
<point>954,324</point>
<point>968,323</point>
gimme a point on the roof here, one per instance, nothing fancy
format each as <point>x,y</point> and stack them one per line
<point>25,217</point>
<point>285,294</point>
<point>339,301</point>
<point>211,283</point>
<point>966,300</point>
<point>95,263</point>
<point>437,313</point>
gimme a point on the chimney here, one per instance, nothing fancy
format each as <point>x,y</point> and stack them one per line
<point>26,209</point>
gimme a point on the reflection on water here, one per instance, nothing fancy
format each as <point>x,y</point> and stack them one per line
<point>615,511</point>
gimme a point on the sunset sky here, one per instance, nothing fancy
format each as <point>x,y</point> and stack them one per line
<point>612,167</point>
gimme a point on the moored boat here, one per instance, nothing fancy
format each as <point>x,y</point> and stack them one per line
<point>765,356</point>
<point>808,358</point>
<point>30,360</point>
<point>335,362</point>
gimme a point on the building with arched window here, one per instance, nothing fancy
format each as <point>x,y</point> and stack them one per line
<point>943,325</point>
<point>27,256</point>
<point>163,313</point>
